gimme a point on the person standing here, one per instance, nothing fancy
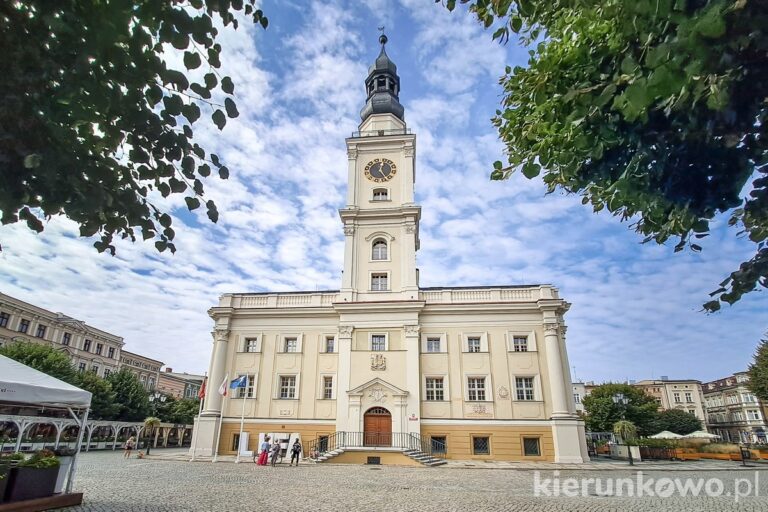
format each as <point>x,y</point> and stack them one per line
<point>264,452</point>
<point>275,451</point>
<point>295,452</point>
<point>128,447</point>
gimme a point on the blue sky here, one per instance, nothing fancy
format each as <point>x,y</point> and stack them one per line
<point>636,308</point>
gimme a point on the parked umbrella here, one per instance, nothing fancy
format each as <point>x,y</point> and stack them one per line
<point>665,434</point>
<point>701,434</point>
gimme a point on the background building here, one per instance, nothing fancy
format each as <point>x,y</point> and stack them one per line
<point>684,395</point>
<point>733,412</point>
<point>482,372</point>
<point>179,385</point>
<point>88,348</point>
<point>146,369</point>
<point>579,392</point>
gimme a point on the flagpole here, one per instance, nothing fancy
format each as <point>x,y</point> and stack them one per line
<point>221,418</point>
<point>196,432</point>
<point>242,419</point>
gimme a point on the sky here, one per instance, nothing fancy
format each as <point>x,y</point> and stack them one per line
<point>636,308</point>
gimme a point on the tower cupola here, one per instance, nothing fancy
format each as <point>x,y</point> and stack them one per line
<point>382,87</point>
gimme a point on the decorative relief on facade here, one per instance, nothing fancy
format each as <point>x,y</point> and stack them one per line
<point>221,335</point>
<point>408,152</point>
<point>349,230</point>
<point>345,330</point>
<point>410,229</point>
<point>503,392</point>
<point>551,328</point>
<point>286,412</point>
<point>480,410</point>
<point>352,153</point>
<point>377,395</point>
<point>412,330</point>
<point>378,362</point>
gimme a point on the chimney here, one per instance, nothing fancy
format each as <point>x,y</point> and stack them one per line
<point>168,370</point>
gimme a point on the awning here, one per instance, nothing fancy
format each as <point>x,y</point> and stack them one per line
<point>21,384</point>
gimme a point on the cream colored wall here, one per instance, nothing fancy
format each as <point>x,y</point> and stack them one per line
<point>506,441</point>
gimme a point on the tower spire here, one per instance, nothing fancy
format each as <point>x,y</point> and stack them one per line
<point>382,85</point>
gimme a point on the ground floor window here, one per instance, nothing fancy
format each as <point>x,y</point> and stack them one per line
<point>481,445</point>
<point>235,442</point>
<point>531,447</point>
<point>439,444</point>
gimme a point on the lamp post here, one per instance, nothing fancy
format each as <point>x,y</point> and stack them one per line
<point>154,397</point>
<point>620,399</point>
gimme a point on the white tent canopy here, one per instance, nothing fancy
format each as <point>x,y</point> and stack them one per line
<point>22,384</point>
<point>666,434</point>
<point>701,434</point>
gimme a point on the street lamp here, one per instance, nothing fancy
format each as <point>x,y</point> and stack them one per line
<point>154,397</point>
<point>620,399</point>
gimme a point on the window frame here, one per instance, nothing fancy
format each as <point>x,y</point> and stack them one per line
<point>377,242</point>
<point>487,437</point>
<point>476,390</point>
<point>530,334</point>
<point>327,393</point>
<point>66,339</point>
<point>483,342</point>
<point>442,390</point>
<point>379,274</point>
<point>538,446</point>
<point>332,339</point>
<point>87,345</point>
<point>5,319</point>
<point>426,336</point>
<point>279,387</point>
<point>525,389</point>
<point>283,337</point>
<point>374,199</point>
<point>24,326</point>
<point>40,331</point>
<point>249,391</point>
<point>251,344</point>
<point>386,341</point>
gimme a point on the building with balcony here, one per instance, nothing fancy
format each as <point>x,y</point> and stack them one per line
<point>684,395</point>
<point>179,385</point>
<point>146,369</point>
<point>733,412</point>
<point>477,372</point>
<point>89,348</point>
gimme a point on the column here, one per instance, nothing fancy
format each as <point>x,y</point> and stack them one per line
<point>349,263</point>
<point>344,375</point>
<point>557,383</point>
<point>212,406</point>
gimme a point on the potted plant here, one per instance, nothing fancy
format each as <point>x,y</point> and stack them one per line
<point>34,477</point>
<point>7,462</point>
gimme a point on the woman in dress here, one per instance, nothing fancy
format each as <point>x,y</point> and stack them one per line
<point>264,452</point>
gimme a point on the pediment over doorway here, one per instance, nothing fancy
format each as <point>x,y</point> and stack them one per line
<point>375,384</point>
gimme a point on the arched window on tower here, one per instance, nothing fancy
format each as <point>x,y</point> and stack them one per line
<point>379,249</point>
<point>380,194</point>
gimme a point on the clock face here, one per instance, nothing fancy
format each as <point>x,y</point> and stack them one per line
<point>380,170</point>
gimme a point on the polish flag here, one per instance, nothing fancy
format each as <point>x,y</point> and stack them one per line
<point>201,393</point>
<point>223,387</point>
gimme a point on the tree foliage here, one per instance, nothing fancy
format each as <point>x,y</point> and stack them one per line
<point>103,405</point>
<point>183,411</point>
<point>677,421</point>
<point>652,109</point>
<point>42,358</point>
<point>603,413</point>
<point>96,122</point>
<point>131,397</point>
<point>758,371</point>
<point>626,430</point>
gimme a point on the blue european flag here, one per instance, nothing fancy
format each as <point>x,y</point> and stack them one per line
<point>239,382</point>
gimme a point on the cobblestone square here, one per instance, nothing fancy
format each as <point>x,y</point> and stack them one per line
<point>112,483</point>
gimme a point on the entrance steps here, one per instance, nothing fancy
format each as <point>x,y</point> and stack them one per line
<point>329,455</point>
<point>424,458</point>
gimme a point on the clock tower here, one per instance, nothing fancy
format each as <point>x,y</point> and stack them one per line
<point>381,220</point>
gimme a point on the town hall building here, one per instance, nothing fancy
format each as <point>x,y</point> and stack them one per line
<point>380,364</point>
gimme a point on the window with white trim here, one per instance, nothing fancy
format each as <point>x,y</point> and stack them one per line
<point>379,249</point>
<point>524,388</point>
<point>676,397</point>
<point>434,388</point>
<point>251,344</point>
<point>66,339</point>
<point>248,390</point>
<point>753,414</point>
<point>380,194</point>
<point>473,344</point>
<point>577,398</point>
<point>4,318</point>
<point>520,343</point>
<point>287,387</point>
<point>379,282</point>
<point>330,344</point>
<point>378,342</point>
<point>327,387</point>
<point>476,389</point>
<point>688,397</point>
<point>290,345</point>
<point>433,344</point>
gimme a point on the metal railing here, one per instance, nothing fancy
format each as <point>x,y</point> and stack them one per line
<point>381,133</point>
<point>401,440</point>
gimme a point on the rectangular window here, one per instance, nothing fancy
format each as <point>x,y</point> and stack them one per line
<point>99,348</point>
<point>23,326</point>
<point>434,389</point>
<point>433,344</point>
<point>290,345</point>
<point>4,318</point>
<point>327,388</point>
<point>236,442</point>
<point>81,367</point>
<point>111,352</point>
<point>288,386</point>
<point>66,339</point>
<point>251,345</point>
<point>439,444</point>
<point>95,369</point>
<point>40,331</point>
<point>473,344</point>
<point>380,194</point>
<point>531,447</point>
<point>87,345</point>
<point>481,445</point>
<point>379,282</point>
<point>476,388</point>
<point>107,371</point>
<point>247,391</point>
<point>330,344</point>
<point>378,342</point>
<point>753,414</point>
<point>676,397</point>
<point>577,398</point>
<point>520,343</point>
<point>524,387</point>
<point>688,397</point>
<point>151,383</point>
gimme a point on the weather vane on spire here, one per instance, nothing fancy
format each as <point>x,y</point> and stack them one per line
<point>383,37</point>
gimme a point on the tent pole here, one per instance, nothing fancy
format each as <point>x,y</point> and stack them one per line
<point>71,476</point>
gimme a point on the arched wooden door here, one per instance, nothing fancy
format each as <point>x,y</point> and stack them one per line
<point>377,427</point>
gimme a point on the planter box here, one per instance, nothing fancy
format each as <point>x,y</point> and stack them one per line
<point>31,483</point>
<point>719,456</point>
<point>4,472</point>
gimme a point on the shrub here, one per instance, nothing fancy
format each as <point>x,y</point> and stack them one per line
<point>657,443</point>
<point>720,448</point>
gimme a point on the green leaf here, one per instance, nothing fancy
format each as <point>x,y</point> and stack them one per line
<point>531,169</point>
<point>213,213</point>
<point>227,86</point>
<point>517,24</point>
<point>191,112</point>
<point>210,80</point>
<point>32,161</point>
<point>192,203</point>
<point>223,172</point>
<point>192,60</point>
<point>231,108</point>
<point>219,119</point>
<point>165,220</point>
